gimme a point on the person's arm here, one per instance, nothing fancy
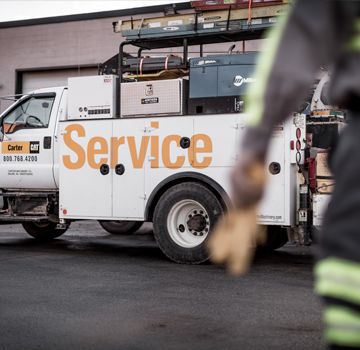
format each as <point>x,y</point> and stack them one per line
<point>312,34</point>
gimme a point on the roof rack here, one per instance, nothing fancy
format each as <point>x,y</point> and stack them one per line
<point>247,33</point>
<point>197,28</point>
<point>225,4</point>
<point>197,24</point>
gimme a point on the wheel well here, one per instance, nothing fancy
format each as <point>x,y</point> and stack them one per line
<point>161,188</point>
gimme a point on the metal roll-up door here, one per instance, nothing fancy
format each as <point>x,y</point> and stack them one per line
<point>32,80</point>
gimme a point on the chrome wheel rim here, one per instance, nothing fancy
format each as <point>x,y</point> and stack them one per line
<point>188,223</point>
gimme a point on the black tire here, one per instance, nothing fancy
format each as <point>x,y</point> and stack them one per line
<point>44,231</point>
<point>120,227</point>
<point>276,238</point>
<point>194,193</point>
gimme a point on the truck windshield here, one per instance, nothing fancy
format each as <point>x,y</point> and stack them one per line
<point>33,112</point>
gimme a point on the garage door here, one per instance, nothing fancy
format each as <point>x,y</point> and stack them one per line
<point>51,78</point>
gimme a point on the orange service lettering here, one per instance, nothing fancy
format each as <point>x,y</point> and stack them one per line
<point>100,151</point>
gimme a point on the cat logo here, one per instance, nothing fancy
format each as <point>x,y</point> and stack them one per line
<point>35,147</point>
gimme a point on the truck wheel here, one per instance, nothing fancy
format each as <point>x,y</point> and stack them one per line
<point>120,227</point>
<point>44,231</point>
<point>183,220</point>
<point>276,238</point>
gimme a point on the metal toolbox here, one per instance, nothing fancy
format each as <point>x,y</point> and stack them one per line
<point>203,5</point>
<point>158,26</point>
<point>99,101</point>
<point>153,98</point>
<point>197,23</point>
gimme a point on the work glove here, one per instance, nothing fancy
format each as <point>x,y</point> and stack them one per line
<point>237,234</point>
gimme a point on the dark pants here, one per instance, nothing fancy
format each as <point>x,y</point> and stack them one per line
<point>341,230</point>
<point>338,270</point>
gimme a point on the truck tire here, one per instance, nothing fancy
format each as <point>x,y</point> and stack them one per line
<point>183,220</point>
<point>44,231</point>
<point>276,238</point>
<point>120,227</point>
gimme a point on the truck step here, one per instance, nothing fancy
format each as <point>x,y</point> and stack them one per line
<point>12,219</point>
<point>26,194</point>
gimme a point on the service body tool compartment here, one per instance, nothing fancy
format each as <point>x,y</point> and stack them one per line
<point>153,98</point>
<point>92,97</point>
<point>102,169</point>
<point>132,146</point>
<point>86,178</point>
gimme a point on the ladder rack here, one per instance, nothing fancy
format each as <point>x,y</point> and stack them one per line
<point>235,23</point>
<point>201,23</point>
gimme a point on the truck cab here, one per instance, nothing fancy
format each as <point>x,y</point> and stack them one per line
<point>29,141</point>
<point>29,167</point>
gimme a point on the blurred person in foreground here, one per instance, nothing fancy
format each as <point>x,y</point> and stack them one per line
<point>314,33</point>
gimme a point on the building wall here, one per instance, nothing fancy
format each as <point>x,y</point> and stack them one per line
<point>67,44</point>
<point>54,45</point>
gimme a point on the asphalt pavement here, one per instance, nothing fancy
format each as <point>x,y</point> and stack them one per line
<point>91,290</point>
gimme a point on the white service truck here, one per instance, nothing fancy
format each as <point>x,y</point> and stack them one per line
<point>151,139</point>
<point>59,164</point>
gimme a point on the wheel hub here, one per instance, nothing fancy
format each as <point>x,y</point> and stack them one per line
<point>188,223</point>
<point>198,223</point>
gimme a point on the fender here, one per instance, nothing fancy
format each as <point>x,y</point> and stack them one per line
<point>181,178</point>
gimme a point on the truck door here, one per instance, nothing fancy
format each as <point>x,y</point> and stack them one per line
<point>85,176</point>
<point>130,154</point>
<point>274,204</point>
<point>26,150</point>
<point>61,116</point>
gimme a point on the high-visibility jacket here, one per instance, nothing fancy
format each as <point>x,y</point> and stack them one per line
<point>314,34</point>
<point>319,33</point>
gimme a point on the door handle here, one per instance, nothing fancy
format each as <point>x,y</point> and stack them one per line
<point>185,142</point>
<point>104,169</point>
<point>47,142</point>
<point>119,169</point>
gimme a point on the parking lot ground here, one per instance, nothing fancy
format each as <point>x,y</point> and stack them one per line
<point>91,290</point>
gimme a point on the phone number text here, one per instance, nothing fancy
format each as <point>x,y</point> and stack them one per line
<point>19,159</point>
